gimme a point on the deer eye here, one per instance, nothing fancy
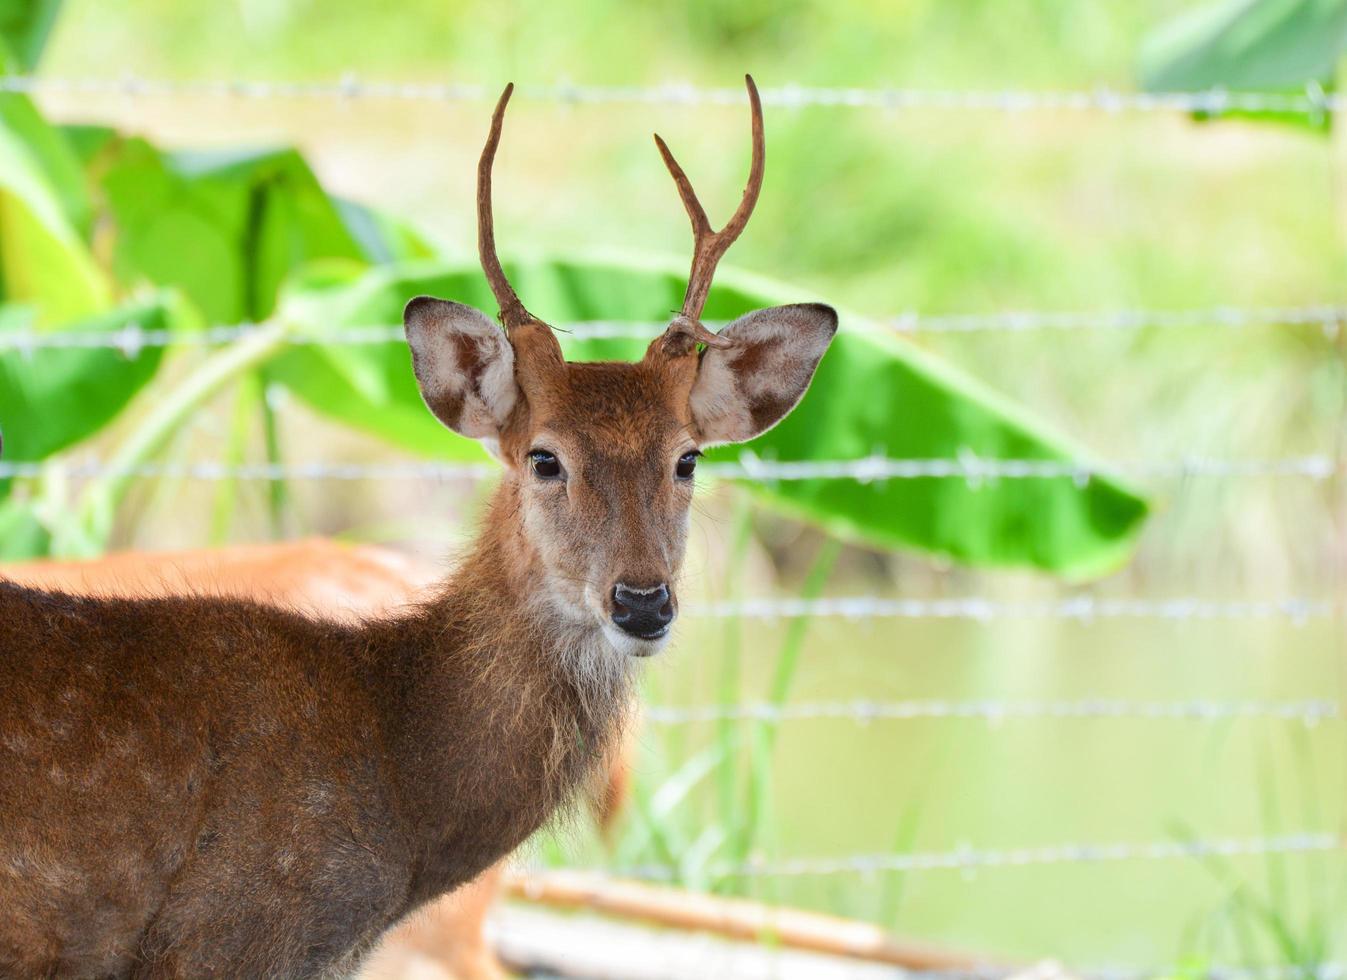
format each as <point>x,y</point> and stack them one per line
<point>686,465</point>
<point>545,465</point>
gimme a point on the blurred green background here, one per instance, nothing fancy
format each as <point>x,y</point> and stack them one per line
<point>934,210</point>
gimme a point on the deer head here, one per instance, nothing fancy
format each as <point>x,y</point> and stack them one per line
<point>600,457</point>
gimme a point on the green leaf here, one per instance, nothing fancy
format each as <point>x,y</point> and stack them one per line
<point>25,26</point>
<point>873,392</point>
<point>44,214</point>
<point>876,393</point>
<point>226,228</point>
<point>22,535</point>
<point>51,398</point>
<point>382,238</point>
<point>1249,45</point>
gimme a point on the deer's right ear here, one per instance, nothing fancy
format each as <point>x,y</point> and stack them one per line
<point>464,365</point>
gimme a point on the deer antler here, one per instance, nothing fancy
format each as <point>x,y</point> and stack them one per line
<point>710,245</point>
<point>512,312</point>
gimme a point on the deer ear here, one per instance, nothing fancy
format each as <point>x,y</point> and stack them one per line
<point>744,389</point>
<point>464,365</point>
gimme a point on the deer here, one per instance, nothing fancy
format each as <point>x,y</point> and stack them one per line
<point>197,786</point>
<point>448,938</point>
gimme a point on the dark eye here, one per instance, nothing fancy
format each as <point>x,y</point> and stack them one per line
<point>686,465</point>
<point>545,465</point>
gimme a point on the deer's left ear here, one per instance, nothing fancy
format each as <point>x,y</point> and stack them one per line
<point>743,390</point>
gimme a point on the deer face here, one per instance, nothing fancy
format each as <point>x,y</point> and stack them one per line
<point>601,457</point>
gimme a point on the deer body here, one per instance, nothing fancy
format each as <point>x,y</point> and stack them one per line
<point>199,786</point>
<point>227,758</point>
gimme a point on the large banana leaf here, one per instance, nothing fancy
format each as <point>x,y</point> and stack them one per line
<point>224,231</point>
<point>873,392</point>
<point>225,228</point>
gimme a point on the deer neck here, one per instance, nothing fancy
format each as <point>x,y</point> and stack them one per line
<point>500,708</point>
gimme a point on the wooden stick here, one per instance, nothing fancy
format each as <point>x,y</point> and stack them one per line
<point>733,917</point>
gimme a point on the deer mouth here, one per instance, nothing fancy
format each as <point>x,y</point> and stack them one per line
<point>636,644</point>
<point>651,637</point>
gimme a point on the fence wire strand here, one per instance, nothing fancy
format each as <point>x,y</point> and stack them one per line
<point>132,339</point>
<point>968,467</point>
<point>1083,609</point>
<point>970,860</point>
<point>861,711</point>
<point>1312,101</point>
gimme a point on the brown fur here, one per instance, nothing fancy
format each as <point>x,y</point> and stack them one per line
<point>446,940</point>
<point>199,786</point>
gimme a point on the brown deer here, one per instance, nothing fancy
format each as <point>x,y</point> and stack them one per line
<point>448,938</point>
<point>202,786</point>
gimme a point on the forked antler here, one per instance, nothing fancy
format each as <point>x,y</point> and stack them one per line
<point>709,245</point>
<point>512,312</point>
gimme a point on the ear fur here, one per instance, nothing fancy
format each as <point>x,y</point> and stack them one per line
<point>464,366</point>
<point>744,389</point>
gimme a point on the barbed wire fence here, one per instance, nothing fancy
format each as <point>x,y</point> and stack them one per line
<point>1313,103</point>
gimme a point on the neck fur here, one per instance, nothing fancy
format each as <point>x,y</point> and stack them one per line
<point>500,708</point>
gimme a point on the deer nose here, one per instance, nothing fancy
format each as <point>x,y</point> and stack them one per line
<point>643,612</point>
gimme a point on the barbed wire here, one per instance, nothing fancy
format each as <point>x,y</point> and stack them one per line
<point>350,87</point>
<point>260,472</point>
<point>975,469</point>
<point>969,860</point>
<point>862,711</point>
<point>967,466</point>
<point>1053,970</point>
<point>1327,316</point>
<point>132,339</point>
<point>983,609</point>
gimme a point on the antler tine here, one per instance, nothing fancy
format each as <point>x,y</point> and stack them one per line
<point>709,245</point>
<point>512,312</point>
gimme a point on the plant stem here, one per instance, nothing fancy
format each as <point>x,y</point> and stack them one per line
<point>787,664</point>
<point>98,504</point>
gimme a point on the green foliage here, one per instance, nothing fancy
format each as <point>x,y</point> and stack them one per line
<point>1251,45</point>
<point>44,216</point>
<point>25,26</point>
<point>51,398</point>
<point>225,227</point>
<point>873,393</point>
<point>237,233</point>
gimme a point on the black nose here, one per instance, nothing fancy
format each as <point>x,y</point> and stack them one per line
<point>643,612</point>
